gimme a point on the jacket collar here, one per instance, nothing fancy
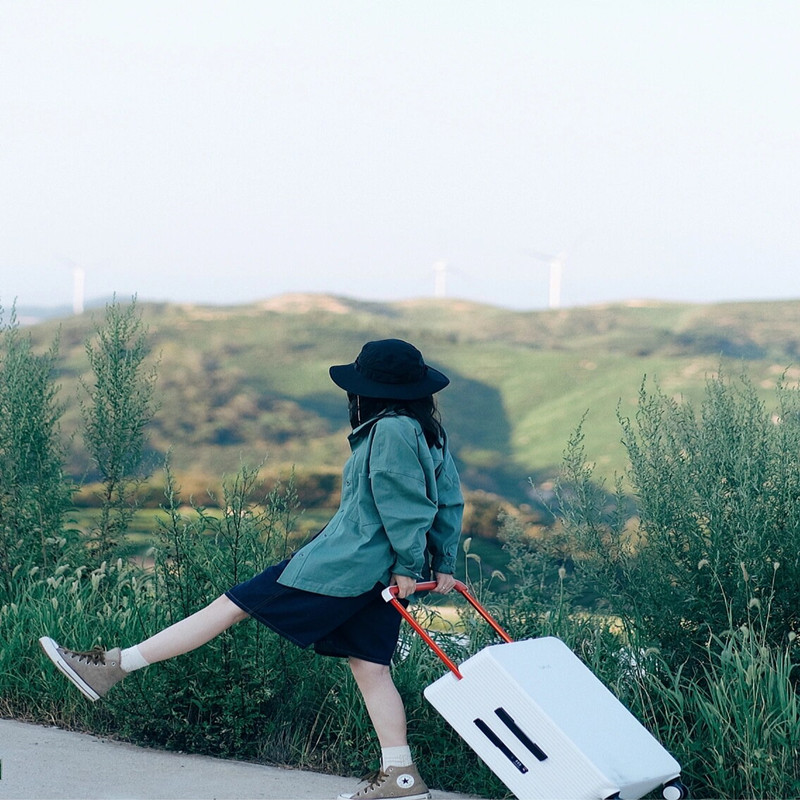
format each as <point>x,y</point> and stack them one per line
<point>364,428</point>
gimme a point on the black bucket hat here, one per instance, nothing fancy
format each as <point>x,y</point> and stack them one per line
<point>389,369</point>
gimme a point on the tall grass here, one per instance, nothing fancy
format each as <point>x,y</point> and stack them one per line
<point>736,725</point>
<point>80,604</point>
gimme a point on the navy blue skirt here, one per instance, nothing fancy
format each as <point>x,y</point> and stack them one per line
<point>364,626</point>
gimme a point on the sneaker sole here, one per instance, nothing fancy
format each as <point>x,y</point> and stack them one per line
<point>51,650</point>
<point>426,796</point>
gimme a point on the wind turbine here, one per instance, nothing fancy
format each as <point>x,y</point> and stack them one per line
<point>78,289</point>
<point>556,264</point>
<point>440,279</point>
<point>78,284</point>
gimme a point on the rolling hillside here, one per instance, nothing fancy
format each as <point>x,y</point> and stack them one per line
<point>249,382</point>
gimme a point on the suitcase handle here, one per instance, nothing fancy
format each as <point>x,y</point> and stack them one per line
<point>389,594</point>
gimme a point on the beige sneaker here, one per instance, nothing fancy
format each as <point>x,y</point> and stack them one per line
<point>395,783</point>
<point>94,673</point>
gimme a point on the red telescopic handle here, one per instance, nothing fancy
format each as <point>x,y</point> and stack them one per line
<point>390,595</point>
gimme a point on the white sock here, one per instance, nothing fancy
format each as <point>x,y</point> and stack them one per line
<point>131,659</point>
<point>396,757</point>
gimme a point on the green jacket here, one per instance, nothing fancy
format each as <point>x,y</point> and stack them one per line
<point>400,512</point>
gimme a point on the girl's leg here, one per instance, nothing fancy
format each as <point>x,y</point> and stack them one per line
<point>398,777</point>
<point>95,672</point>
<point>193,631</point>
<point>383,701</point>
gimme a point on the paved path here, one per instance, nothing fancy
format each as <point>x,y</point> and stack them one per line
<point>40,763</point>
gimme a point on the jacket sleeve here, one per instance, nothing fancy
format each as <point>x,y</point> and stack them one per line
<point>399,490</point>
<point>446,529</point>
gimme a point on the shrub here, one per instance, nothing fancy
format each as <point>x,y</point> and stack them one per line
<point>703,579</point>
<point>718,528</point>
<point>119,407</point>
<point>34,494</point>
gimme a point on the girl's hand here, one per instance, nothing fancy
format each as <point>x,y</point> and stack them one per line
<point>444,582</point>
<point>405,585</point>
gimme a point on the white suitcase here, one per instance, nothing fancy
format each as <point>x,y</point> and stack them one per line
<point>545,724</point>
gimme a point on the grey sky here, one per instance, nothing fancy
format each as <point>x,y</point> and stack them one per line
<point>223,152</point>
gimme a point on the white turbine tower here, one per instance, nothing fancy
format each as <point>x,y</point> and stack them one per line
<point>78,284</point>
<point>440,279</point>
<point>78,289</point>
<point>556,264</point>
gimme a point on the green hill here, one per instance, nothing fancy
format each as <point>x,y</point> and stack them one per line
<point>248,382</point>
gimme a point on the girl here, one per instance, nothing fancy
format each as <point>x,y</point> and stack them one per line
<point>399,520</point>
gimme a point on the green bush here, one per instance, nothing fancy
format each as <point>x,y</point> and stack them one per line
<point>118,410</point>
<point>718,528</point>
<point>34,493</point>
<point>700,581</point>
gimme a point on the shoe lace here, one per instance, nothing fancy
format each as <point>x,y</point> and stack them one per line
<point>96,656</point>
<point>374,781</point>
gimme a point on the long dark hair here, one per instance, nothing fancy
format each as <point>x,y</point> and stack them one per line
<point>423,410</point>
